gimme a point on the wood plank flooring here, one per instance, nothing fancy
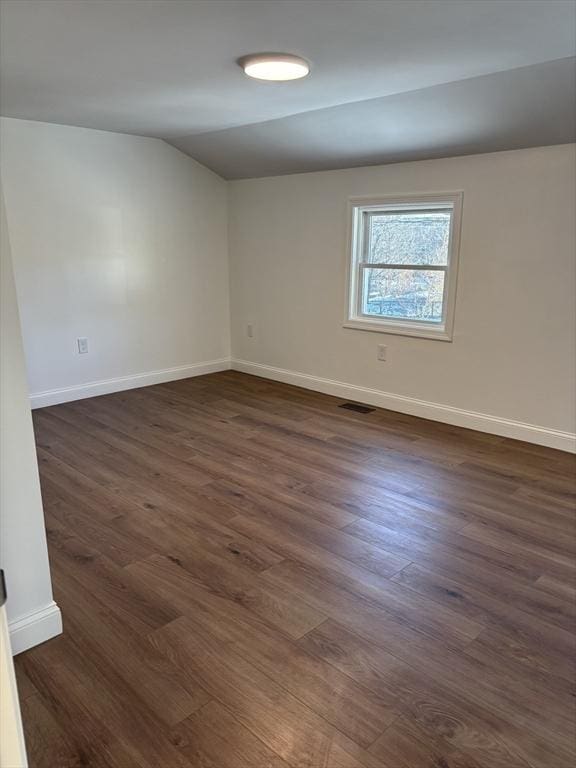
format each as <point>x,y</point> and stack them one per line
<point>253,577</point>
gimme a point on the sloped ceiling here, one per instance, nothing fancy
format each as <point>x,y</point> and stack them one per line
<point>391,80</point>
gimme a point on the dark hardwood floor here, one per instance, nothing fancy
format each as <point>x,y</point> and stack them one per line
<point>251,576</point>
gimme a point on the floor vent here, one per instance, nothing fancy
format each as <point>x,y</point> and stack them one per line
<point>358,407</point>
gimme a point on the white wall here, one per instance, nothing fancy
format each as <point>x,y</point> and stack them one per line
<point>124,240</point>
<point>513,354</point>
<point>119,239</point>
<point>32,614</point>
<point>12,746</point>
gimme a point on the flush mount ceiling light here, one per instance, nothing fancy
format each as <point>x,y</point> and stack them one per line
<point>274,66</point>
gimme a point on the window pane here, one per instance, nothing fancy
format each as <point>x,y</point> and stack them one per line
<point>407,294</point>
<point>410,237</point>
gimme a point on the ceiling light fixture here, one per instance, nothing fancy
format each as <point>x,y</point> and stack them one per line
<point>274,66</point>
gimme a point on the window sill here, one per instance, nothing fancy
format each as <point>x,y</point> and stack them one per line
<point>399,329</point>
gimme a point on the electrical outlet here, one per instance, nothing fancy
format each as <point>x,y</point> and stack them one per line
<point>382,352</point>
<point>82,345</point>
<point>250,331</point>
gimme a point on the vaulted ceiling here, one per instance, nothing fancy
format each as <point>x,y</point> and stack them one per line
<point>391,79</point>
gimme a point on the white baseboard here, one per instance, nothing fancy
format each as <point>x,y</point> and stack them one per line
<point>107,386</point>
<point>482,422</point>
<point>35,628</point>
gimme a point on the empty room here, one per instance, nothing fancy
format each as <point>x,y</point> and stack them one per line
<point>288,384</point>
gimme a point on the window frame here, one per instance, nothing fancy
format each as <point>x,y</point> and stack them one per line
<point>359,210</point>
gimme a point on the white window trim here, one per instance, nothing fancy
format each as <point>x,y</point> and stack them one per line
<point>428,330</point>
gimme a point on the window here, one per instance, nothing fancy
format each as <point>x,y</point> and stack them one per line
<point>403,265</point>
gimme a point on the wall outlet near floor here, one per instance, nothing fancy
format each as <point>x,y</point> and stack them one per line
<point>82,345</point>
<point>250,331</point>
<point>382,352</point>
